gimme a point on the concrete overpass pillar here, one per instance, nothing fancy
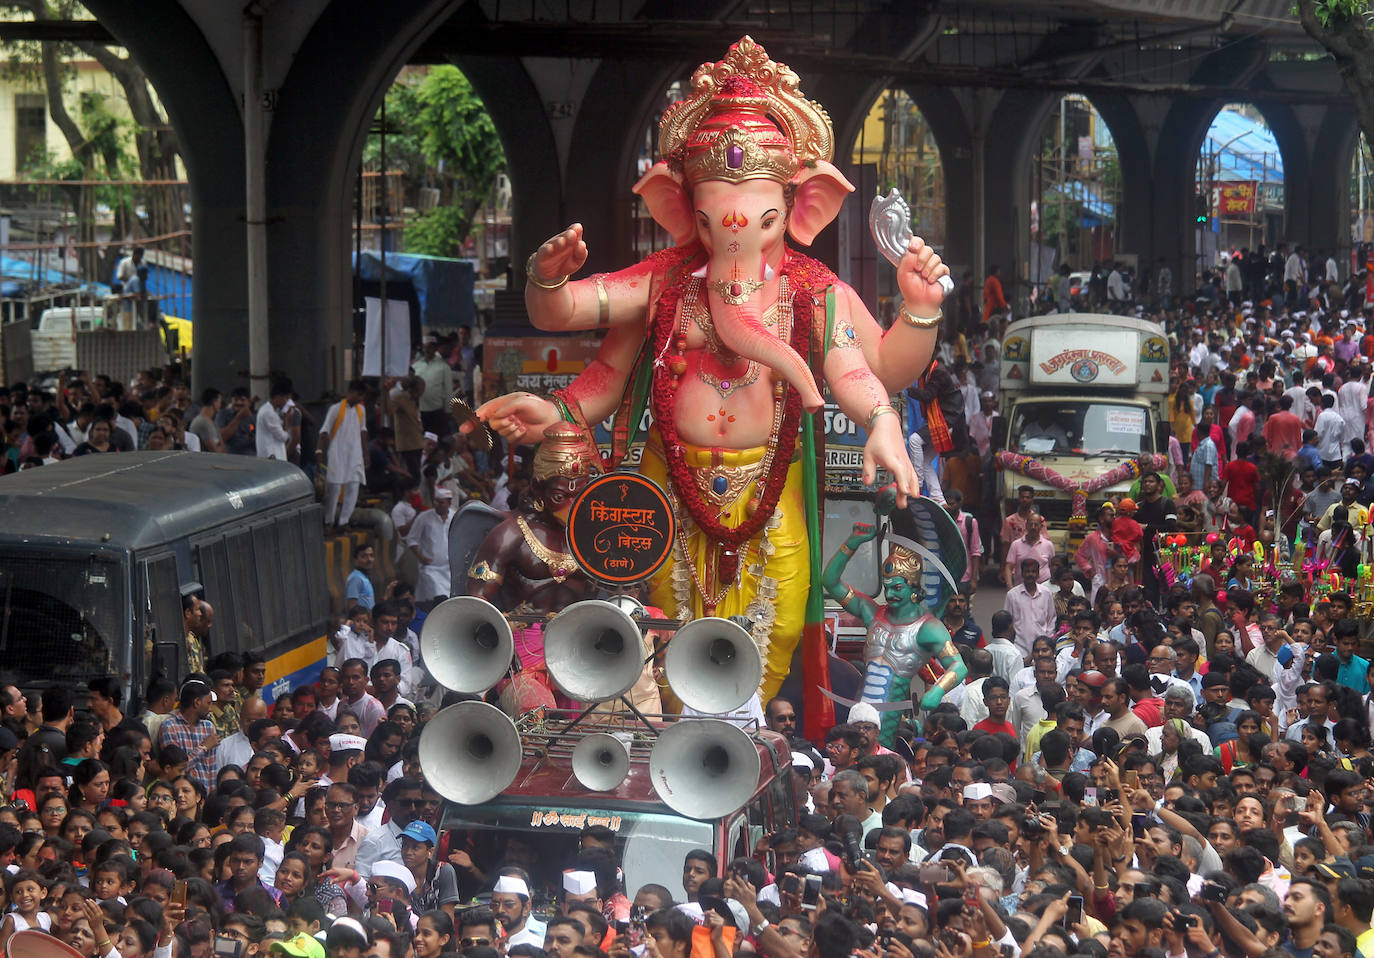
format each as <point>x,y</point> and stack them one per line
<point>202,106</point>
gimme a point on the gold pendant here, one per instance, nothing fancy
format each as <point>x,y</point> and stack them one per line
<point>736,292</point>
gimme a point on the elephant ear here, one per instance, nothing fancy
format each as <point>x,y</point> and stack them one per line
<point>820,193</point>
<point>669,204</point>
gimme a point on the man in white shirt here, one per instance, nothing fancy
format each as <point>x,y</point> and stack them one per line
<point>429,538</point>
<point>1006,657</point>
<point>272,435</point>
<point>238,748</point>
<point>1293,267</point>
<point>1330,429</point>
<point>344,435</point>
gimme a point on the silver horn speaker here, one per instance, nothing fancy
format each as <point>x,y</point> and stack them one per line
<point>713,665</point>
<point>470,752</point>
<point>593,651</point>
<point>704,768</point>
<point>601,762</point>
<point>466,644</point>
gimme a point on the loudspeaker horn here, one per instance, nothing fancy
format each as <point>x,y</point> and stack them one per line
<point>470,752</point>
<point>713,665</point>
<point>32,943</point>
<point>601,762</point>
<point>467,645</point>
<point>593,651</point>
<point>704,768</point>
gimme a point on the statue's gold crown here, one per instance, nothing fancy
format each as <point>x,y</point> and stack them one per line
<point>564,452</point>
<point>745,119</point>
<point>902,563</point>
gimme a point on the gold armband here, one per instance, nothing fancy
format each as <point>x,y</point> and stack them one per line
<point>530,275</point>
<point>603,303</point>
<point>920,322</point>
<point>483,572</point>
<point>882,409</point>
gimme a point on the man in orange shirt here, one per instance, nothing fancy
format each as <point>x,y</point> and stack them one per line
<point>994,300</point>
<point>1283,430</point>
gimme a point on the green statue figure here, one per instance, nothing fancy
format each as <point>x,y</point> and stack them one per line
<point>905,634</point>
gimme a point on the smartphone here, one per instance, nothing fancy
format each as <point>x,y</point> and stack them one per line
<point>811,895</point>
<point>1211,891</point>
<point>226,947</point>
<point>622,929</point>
<point>1006,951</point>
<point>971,895</point>
<point>1107,796</point>
<point>179,894</point>
<point>384,906</point>
<point>1130,778</point>
<point>1291,820</point>
<point>1090,796</point>
<point>1139,824</point>
<point>791,884</point>
<point>1184,922</point>
<point>1074,915</point>
<point>636,934</point>
<point>933,873</point>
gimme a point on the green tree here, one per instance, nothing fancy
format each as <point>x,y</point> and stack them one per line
<point>440,136</point>
<point>103,145</point>
<point>1343,28</point>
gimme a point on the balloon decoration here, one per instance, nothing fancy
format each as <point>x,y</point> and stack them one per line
<point>1033,468</point>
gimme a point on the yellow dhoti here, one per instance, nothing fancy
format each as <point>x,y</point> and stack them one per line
<point>775,566</point>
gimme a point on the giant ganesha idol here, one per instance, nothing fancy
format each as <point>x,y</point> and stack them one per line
<point>726,338</point>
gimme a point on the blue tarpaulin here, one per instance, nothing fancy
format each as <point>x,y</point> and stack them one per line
<point>1095,210</point>
<point>443,286</point>
<point>22,271</point>
<point>1247,149</point>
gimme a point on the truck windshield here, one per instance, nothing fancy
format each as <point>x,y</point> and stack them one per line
<point>543,840</point>
<point>1087,428</point>
<point>61,618</point>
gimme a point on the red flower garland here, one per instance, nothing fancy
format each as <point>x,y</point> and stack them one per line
<point>806,276</point>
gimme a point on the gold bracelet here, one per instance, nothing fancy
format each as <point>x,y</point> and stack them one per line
<point>603,304</point>
<point>881,409</point>
<point>529,275</point>
<point>985,943</point>
<point>921,322</point>
<point>848,594</point>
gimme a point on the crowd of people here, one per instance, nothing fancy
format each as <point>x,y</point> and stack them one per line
<point>1136,766</point>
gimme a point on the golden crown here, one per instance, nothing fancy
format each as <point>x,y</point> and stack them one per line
<point>902,563</point>
<point>564,452</point>
<point>745,119</point>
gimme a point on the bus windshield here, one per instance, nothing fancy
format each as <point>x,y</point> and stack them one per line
<point>1087,428</point>
<point>61,618</point>
<point>543,840</point>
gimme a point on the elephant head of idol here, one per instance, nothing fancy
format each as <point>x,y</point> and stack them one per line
<point>746,162</point>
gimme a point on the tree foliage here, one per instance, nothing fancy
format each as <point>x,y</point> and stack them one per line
<point>440,136</point>
<point>104,142</point>
<point>1343,28</point>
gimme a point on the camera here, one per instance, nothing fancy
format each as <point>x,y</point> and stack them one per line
<point>1031,827</point>
<point>1211,891</point>
<point>1184,922</point>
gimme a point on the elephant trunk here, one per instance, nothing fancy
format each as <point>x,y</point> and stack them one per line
<point>741,331</point>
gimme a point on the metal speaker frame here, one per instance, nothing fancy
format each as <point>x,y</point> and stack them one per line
<point>470,752</point>
<point>704,768</point>
<point>467,644</point>
<point>601,761</point>
<point>594,651</point>
<point>713,665</point>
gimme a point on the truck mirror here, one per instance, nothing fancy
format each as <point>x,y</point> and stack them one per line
<point>999,433</point>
